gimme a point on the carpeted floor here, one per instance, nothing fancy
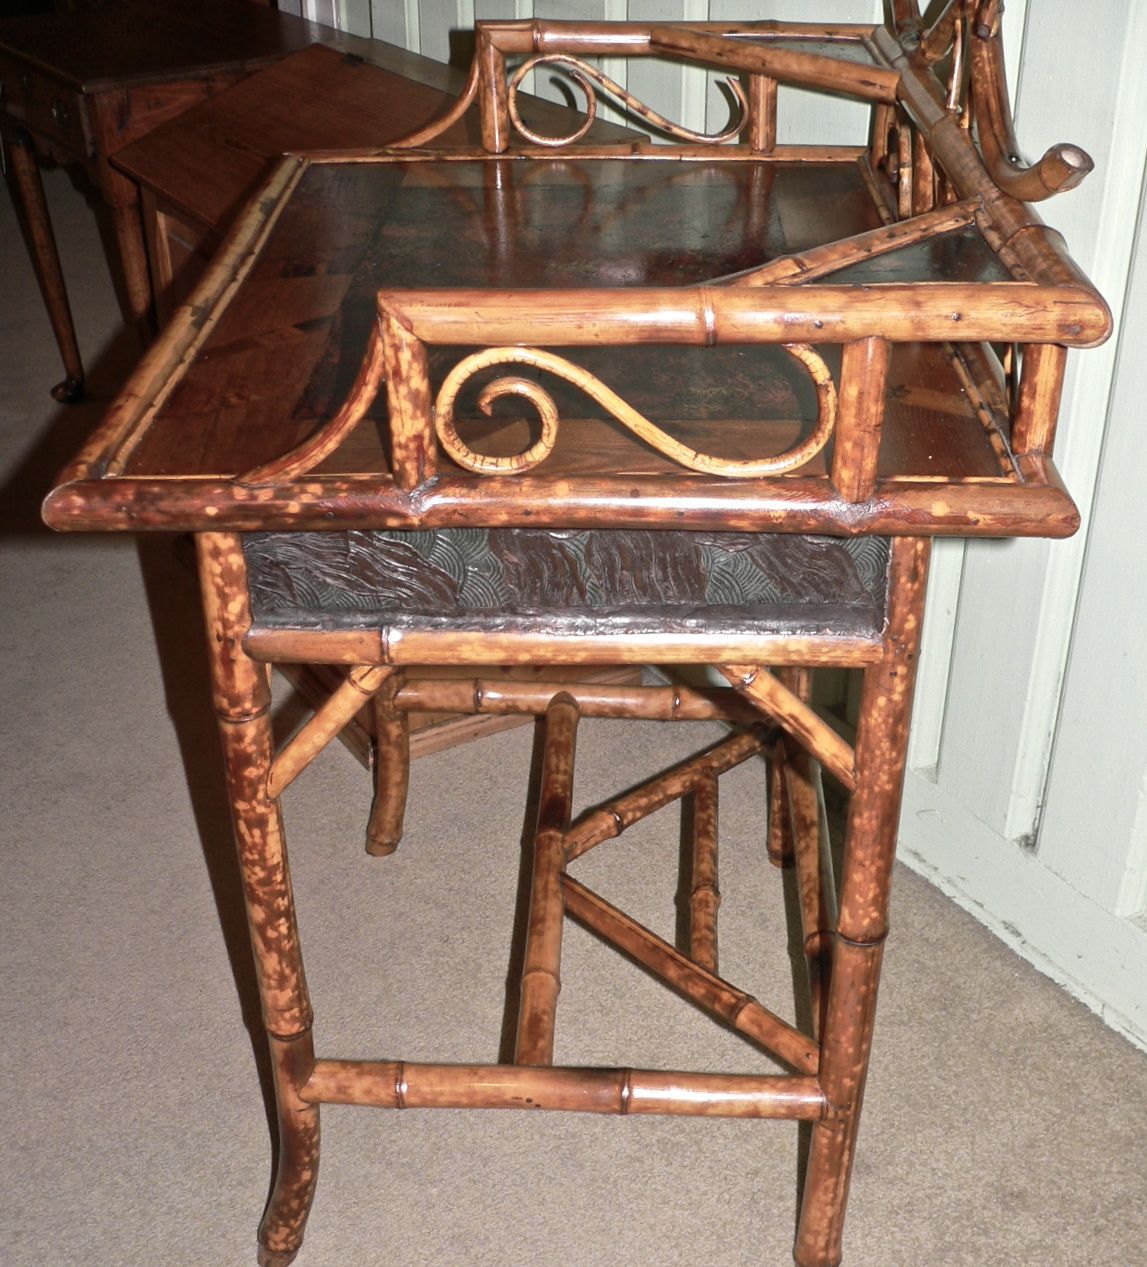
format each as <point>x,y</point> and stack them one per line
<point>1003,1125</point>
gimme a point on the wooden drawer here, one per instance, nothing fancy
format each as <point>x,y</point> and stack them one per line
<point>50,108</point>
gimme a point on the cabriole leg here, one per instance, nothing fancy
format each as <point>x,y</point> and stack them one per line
<point>870,845</point>
<point>242,703</point>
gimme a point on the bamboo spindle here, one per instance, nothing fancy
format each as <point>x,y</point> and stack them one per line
<point>704,892</point>
<point>391,769</point>
<point>762,114</point>
<point>856,444</point>
<point>541,968</point>
<point>716,996</point>
<point>610,820</point>
<point>1041,385</point>
<point>360,685</point>
<point>402,1085</point>
<point>493,96</point>
<point>778,836</point>
<point>796,717</point>
<point>413,447</point>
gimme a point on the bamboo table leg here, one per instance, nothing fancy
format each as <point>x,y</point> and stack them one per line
<point>870,844</point>
<point>242,703</point>
<point>28,191</point>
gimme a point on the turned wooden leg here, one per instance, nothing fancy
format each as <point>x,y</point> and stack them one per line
<point>28,191</point>
<point>242,702</point>
<point>862,923</point>
<point>122,196</point>
<point>391,770</point>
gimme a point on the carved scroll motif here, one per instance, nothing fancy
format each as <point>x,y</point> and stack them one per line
<point>629,417</point>
<point>586,76</point>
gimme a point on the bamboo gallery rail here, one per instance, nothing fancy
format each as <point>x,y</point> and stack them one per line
<point>756,380</point>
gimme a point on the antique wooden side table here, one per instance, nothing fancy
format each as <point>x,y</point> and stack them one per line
<point>77,88</point>
<point>548,402</point>
<point>197,172</point>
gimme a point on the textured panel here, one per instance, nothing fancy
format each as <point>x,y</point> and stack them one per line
<point>594,580</point>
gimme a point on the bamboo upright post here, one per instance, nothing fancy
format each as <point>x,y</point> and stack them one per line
<point>870,844</point>
<point>541,969</point>
<point>242,703</point>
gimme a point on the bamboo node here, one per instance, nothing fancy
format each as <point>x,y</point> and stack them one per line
<point>401,1087</point>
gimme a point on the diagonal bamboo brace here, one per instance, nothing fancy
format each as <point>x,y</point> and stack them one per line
<point>812,848</point>
<point>797,717</point>
<point>541,968</point>
<point>711,993</point>
<point>610,820</point>
<point>362,682</point>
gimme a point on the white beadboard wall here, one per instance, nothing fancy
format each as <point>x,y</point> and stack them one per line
<point>1026,798</point>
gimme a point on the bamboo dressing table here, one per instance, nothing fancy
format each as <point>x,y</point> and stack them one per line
<point>553,403</point>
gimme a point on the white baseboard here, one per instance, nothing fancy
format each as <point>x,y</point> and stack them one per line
<point>1098,957</point>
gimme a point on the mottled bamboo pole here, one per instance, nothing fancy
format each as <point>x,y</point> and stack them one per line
<point>1041,385</point>
<point>391,645</point>
<point>870,843</point>
<point>330,435</point>
<point>1061,168</point>
<point>608,821</point>
<point>856,443</point>
<point>242,699</point>
<point>413,448</point>
<point>110,447</point>
<point>284,1222</point>
<point>704,890</point>
<point>819,261</point>
<point>812,70</point>
<point>646,703</point>
<point>541,968</point>
<point>402,1085</point>
<point>796,716</point>
<point>739,1010</point>
<point>391,769</point>
<point>703,315</point>
<point>324,725</point>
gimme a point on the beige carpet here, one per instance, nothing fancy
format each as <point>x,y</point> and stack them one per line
<point>1004,1124</point>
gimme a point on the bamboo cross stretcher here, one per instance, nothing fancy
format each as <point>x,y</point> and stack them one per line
<point>337,414</point>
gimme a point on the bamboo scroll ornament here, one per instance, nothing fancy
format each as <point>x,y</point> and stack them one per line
<point>586,76</point>
<point>629,417</point>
